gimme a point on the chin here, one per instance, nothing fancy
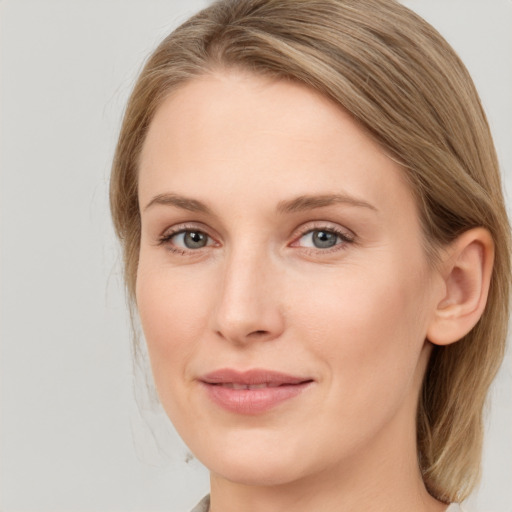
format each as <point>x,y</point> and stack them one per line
<point>266,473</point>
<point>254,464</point>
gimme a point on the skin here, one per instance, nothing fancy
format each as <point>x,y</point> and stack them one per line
<point>260,294</point>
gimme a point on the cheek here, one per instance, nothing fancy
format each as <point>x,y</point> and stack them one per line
<point>369,331</point>
<point>173,316</point>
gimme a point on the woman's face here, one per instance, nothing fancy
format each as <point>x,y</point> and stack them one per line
<point>282,285</point>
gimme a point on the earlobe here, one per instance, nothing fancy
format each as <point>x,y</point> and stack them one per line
<point>466,272</point>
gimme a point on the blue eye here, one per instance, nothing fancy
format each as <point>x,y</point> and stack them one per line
<point>322,239</point>
<point>189,239</point>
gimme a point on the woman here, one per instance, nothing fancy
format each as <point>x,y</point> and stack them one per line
<point>314,234</point>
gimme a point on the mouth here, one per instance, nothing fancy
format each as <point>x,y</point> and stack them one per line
<point>235,385</point>
<point>254,391</point>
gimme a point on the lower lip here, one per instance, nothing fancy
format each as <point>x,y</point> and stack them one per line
<point>252,401</point>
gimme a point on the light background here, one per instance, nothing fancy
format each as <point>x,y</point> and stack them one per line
<point>72,438</point>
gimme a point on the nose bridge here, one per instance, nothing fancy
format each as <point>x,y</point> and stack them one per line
<point>247,306</point>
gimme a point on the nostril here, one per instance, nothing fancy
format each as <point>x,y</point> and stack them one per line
<point>258,334</point>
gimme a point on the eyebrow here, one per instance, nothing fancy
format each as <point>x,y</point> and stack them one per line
<point>185,203</point>
<point>310,202</point>
<point>298,204</point>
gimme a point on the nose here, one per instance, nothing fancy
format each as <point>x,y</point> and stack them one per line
<point>248,303</point>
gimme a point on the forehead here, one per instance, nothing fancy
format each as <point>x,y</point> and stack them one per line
<point>235,132</point>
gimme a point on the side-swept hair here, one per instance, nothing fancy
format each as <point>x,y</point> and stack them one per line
<point>406,86</point>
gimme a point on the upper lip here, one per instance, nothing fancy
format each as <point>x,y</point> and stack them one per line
<point>252,377</point>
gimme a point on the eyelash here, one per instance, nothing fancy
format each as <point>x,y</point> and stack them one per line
<point>344,238</point>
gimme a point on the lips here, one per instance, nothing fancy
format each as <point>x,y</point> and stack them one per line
<point>252,392</point>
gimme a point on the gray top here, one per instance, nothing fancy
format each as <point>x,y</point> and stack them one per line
<point>204,505</point>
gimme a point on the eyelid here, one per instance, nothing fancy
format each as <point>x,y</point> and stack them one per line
<point>326,226</point>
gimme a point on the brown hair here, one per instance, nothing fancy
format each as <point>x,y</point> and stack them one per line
<point>400,80</point>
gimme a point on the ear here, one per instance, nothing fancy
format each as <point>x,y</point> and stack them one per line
<point>466,270</point>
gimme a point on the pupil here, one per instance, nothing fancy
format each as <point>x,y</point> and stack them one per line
<point>324,239</point>
<point>195,239</point>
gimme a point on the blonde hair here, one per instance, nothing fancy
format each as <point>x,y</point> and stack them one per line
<point>400,80</point>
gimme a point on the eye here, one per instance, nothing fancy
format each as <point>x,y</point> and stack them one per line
<point>191,239</point>
<point>322,238</point>
<point>186,239</point>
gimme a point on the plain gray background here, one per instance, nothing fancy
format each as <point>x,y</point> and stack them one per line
<point>72,438</point>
